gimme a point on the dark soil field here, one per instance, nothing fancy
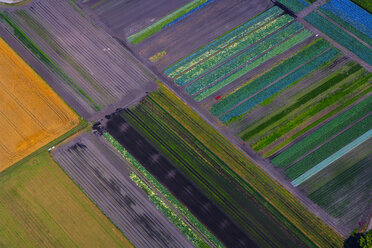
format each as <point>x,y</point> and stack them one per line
<point>138,14</point>
<point>181,39</point>
<point>177,184</point>
<point>199,29</point>
<point>96,66</point>
<point>104,178</point>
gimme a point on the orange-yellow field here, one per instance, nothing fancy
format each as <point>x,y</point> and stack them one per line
<point>31,113</point>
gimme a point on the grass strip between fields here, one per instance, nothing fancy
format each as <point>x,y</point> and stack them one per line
<point>170,214</point>
<point>157,26</point>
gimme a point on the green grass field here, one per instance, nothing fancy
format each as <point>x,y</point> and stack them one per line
<point>226,175</point>
<point>41,207</point>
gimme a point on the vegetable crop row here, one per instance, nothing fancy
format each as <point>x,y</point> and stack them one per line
<point>294,5</point>
<point>269,77</point>
<point>284,46</point>
<point>273,118</point>
<point>329,148</point>
<point>232,49</point>
<point>225,160</point>
<point>195,222</point>
<point>340,36</point>
<point>324,133</point>
<point>281,84</point>
<point>157,26</point>
<point>351,17</point>
<point>222,42</point>
<point>349,90</point>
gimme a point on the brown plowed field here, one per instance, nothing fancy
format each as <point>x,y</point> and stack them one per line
<point>31,113</point>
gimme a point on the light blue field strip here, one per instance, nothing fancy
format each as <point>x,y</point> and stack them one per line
<point>343,151</point>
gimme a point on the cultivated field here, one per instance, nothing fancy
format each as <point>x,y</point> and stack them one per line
<point>220,63</point>
<point>41,207</point>
<point>97,70</point>
<point>360,48</point>
<point>344,187</point>
<point>138,15</point>
<point>175,40</point>
<point>262,208</point>
<point>166,202</point>
<point>31,113</point>
<point>105,179</point>
<point>177,183</point>
<point>274,83</point>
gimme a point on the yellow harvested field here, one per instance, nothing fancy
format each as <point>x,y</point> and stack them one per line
<point>31,113</point>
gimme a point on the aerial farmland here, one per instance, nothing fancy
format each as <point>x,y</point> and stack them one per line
<point>186,123</point>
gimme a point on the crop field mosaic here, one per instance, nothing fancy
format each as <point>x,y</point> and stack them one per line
<point>94,69</point>
<point>185,123</point>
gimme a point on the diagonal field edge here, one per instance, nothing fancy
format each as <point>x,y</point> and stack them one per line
<point>340,153</point>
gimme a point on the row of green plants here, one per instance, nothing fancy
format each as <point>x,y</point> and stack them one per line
<point>274,117</point>
<point>339,154</point>
<point>351,17</point>
<point>269,77</point>
<point>220,43</point>
<point>283,83</point>
<point>343,187</point>
<point>324,133</point>
<point>294,5</point>
<point>242,58</point>
<point>195,161</point>
<point>340,36</point>
<point>279,49</point>
<point>157,26</point>
<point>211,162</point>
<point>161,205</point>
<point>329,148</point>
<point>365,4</point>
<point>326,105</point>
<point>232,49</point>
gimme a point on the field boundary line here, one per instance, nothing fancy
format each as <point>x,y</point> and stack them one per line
<point>335,156</point>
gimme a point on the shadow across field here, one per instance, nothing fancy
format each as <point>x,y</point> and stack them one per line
<point>177,184</point>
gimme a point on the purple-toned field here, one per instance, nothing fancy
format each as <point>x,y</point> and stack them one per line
<point>96,70</point>
<point>104,177</point>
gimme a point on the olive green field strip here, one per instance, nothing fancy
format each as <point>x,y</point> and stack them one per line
<point>104,177</point>
<point>96,66</point>
<point>225,175</point>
